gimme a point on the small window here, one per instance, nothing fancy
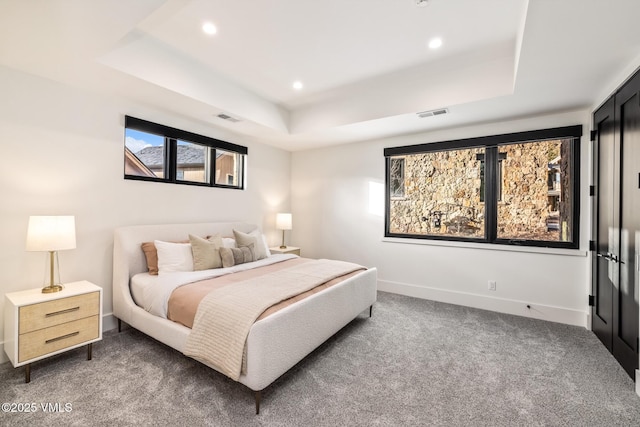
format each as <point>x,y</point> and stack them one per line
<point>228,166</point>
<point>193,162</point>
<point>159,153</point>
<point>397,177</point>
<point>144,154</point>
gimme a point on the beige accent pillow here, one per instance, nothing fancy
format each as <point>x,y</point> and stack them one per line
<point>255,238</point>
<point>235,256</point>
<point>206,254</point>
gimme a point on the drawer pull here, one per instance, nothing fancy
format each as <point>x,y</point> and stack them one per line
<point>56,313</point>
<point>73,334</point>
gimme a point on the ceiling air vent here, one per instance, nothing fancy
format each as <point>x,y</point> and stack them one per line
<point>227,117</point>
<point>432,113</point>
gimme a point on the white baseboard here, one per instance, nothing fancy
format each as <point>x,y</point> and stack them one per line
<point>501,305</point>
<point>108,322</point>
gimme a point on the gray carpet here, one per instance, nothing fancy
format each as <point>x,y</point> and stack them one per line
<point>415,362</point>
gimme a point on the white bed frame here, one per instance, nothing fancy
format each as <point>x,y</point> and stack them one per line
<point>276,343</point>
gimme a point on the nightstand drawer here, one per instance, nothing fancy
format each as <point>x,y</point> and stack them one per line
<point>48,340</point>
<point>58,311</point>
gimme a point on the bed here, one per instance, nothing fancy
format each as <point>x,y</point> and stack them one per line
<point>275,343</point>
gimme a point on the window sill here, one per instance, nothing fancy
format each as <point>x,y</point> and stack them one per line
<point>489,246</point>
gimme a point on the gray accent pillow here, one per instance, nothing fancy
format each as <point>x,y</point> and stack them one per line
<point>206,252</point>
<point>235,256</point>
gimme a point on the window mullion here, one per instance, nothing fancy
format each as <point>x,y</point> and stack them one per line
<point>491,193</point>
<point>242,172</point>
<point>214,161</point>
<point>172,159</point>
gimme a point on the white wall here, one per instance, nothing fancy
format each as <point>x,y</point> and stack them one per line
<point>332,218</point>
<point>62,153</point>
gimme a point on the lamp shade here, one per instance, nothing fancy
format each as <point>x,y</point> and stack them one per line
<point>51,233</point>
<point>283,221</point>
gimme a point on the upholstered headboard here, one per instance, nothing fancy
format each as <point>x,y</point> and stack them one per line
<point>129,259</point>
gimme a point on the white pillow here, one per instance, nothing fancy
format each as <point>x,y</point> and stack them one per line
<point>173,257</point>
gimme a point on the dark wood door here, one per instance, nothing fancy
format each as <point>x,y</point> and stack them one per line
<point>617,224</point>
<point>625,303</point>
<point>605,201</point>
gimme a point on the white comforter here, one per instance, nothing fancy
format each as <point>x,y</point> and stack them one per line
<point>152,292</point>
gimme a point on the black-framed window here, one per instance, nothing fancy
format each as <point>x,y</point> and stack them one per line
<point>519,189</point>
<point>154,152</point>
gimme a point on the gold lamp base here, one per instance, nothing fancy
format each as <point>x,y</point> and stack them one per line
<point>283,246</point>
<point>51,289</point>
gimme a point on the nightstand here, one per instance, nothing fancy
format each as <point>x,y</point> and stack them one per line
<point>38,325</point>
<point>287,250</point>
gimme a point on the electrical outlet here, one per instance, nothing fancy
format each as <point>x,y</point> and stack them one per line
<point>492,285</point>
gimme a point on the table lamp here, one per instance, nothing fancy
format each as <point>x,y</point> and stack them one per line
<point>51,234</point>
<point>283,222</point>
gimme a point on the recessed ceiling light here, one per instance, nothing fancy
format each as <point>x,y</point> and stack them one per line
<point>422,3</point>
<point>297,85</point>
<point>435,43</point>
<point>209,28</point>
